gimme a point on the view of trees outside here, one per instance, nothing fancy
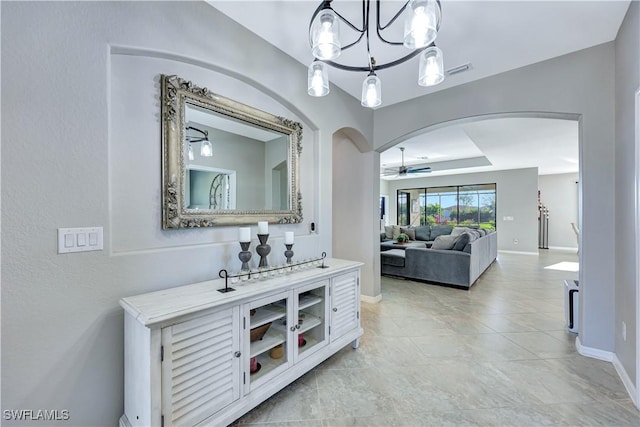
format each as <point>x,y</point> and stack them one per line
<point>469,205</point>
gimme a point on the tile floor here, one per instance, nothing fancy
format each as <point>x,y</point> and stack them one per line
<point>497,355</point>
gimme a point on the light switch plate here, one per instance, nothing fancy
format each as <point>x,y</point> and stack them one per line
<point>79,239</point>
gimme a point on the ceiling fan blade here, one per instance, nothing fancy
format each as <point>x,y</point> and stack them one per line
<point>389,172</point>
<point>425,169</point>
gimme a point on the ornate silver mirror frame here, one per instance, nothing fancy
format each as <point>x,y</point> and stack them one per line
<point>176,94</point>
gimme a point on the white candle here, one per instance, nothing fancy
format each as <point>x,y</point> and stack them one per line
<point>288,237</point>
<point>245,234</point>
<point>263,227</point>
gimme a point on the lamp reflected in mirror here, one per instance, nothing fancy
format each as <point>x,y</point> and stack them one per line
<point>206,149</point>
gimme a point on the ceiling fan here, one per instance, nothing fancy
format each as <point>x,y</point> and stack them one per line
<point>403,170</point>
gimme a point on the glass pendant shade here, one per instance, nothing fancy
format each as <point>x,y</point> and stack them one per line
<point>431,67</point>
<point>325,35</point>
<point>371,91</point>
<point>190,152</point>
<point>206,149</point>
<point>422,18</point>
<point>318,79</point>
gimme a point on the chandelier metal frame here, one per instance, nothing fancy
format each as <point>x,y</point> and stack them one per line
<point>364,32</point>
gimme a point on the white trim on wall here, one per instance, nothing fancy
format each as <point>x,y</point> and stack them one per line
<point>371,300</point>
<point>594,353</point>
<point>636,395</point>
<point>624,377</point>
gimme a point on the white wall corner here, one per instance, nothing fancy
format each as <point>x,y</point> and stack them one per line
<point>518,252</point>
<point>371,300</point>
<point>622,373</point>
<point>594,353</point>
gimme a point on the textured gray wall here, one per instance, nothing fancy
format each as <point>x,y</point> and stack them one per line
<point>62,327</point>
<point>516,196</point>
<point>580,84</point>
<point>354,176</point>
<point>627,83</point>
<point>559,193</point>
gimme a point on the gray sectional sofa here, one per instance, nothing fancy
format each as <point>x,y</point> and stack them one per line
<point>457,259</point>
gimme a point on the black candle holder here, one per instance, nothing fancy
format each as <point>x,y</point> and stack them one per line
<point>224,275</point>
<point>245,256</point>
<point>288,253</point>
<point>263,249</point>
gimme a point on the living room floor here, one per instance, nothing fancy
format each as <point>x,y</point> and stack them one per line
<point>498,354</point>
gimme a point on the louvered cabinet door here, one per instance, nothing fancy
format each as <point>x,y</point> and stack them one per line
<point>200,367</point>
<point>345,294</point>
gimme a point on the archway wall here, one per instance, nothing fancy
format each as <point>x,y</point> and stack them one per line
<point>355,193</point>
<point>580,84</point>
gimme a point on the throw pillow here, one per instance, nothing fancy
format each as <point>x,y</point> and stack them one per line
<point>482,232</point>
<point>396,231</point>
<point>461,241</point>
<point>423,233</point>
<point>444,242</point>
<point>388,231</point>
<point>411,232</point>
<point>458,231</point>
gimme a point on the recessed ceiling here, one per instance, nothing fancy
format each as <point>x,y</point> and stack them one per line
<point>551,145</point>
<point>494,36</point>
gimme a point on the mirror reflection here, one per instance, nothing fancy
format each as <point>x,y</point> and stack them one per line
<point>224,162</point>
<point>233,165</point>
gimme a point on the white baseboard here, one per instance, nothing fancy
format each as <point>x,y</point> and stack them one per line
<point>594,353</point>
<point>517,252</point>
<point>563,248</point>
<point>622,373</point>
<point>371,300</point>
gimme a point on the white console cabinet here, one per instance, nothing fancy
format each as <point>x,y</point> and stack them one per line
<point>196,356</point>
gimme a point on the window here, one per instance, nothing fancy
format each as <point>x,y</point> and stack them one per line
<point>468,205</point>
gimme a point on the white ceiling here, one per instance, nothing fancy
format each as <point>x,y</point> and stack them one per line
<point>489,145</point>
<point>494,36</point>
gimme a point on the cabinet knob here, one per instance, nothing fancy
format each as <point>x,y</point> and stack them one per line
<point>297,326</point>
<point>293,328</point>
<point>335,309</point>
<point>237,354</point>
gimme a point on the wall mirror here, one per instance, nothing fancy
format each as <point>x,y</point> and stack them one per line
<point>224,162</point>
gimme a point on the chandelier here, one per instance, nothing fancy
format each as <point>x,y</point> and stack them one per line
<point>421,25</point>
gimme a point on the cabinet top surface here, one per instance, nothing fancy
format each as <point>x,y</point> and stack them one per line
<point>161,306</point>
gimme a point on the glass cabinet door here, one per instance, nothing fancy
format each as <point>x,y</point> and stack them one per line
<point>266,339</point>
<point>310,327</point>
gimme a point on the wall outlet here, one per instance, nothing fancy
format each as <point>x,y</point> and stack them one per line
<point>624,331</point>
<point>516,241</point>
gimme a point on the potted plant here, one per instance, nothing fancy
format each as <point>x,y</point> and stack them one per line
<point>402,238</point>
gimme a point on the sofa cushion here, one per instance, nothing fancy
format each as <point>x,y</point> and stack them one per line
<point>411,232</point>
<point>393,257</point>
<point>440,230</point>
<point>482,232</point>
<point>423,233</point>
<point>444,242</point>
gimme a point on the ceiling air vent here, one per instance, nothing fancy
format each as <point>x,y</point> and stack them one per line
<point>459,69</point>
